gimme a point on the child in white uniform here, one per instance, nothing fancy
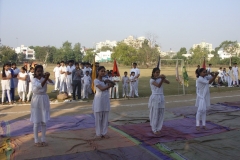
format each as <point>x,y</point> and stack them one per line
<point>125,82</point>
<point>63,71</point>
<point>86,81</point>
<point>5,82</point>
<point>132,84</point>
<point>30,79</point>
<point>40,105</point>
<point>56,71</point>
<point>115,79</point>
<point>110,78</point>
<point>203,96</point>
<point>230,76</point>
<point>235,74</point>
<point>101,103</point>
<point>22,84</point>
<point>156,102</point>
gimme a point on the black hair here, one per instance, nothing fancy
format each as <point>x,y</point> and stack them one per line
<point>132,72</point>
<point>14,64</point>
<point>3,70</point>
<point>200,71</point>
<point>153,71</point>
<point>23,68</point>
<point>210,64</point>
<point>100,68</point>
<point>58,63</point>
<point>125,72</point>
<point>134,63</point>
<point>62,62</point>
<point>31,68</point>
<point>35,69</point>
<point>198,65</point>
<point>76,63</point>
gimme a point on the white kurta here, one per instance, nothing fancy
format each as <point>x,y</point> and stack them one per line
<point>137,72</point>
<point>115,78</point>
<point>156,104</point>
<point>125,81</point>
<point>86,86</point>
<point>22,85</point>
<point>40,105</point>
<point>6,84</point>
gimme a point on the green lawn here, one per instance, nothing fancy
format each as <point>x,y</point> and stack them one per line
<point>174,88</point>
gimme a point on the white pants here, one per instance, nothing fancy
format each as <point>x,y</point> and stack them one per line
<point>236,79</point>
<point>35,131</point>
<point>57,82</point>
<point>110,92</point>
<point>125,90</point>
<point>22,95</point>
<point>8,94</point>
<point>29,91</point>
<point>156,117</point>
<point>113,91</point>
<point>69,84</point>
<point>199,116</point>
<point>136,88</point>
<point>86,89</point>
<point>62,84</point>
<point>229,81</point>
<point>101,122</point>
<point>132,89</point>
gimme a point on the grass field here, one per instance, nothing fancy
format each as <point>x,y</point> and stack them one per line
<point>174,88</point>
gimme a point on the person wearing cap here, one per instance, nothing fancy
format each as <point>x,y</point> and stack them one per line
<point>137,74</point>
<point>235,74</point>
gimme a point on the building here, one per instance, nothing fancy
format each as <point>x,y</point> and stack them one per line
<point>134,42</point>
<point>223,54</point>
<point>29,53</point>
<point>205,45</point>
<point>103,56</point>
<point>107,43</point>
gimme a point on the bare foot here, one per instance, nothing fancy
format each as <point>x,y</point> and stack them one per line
<point>197,128</point>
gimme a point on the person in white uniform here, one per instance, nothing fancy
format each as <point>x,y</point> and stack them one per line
<point>40,104</point>
<point>30,79</point>
<point>132,84</point>
<point>5,82</point>
<point>235,74</point>
<point>230,76</point>
<point>22,84</point>
<point>156,103</point>
<point>203,97</point>
<point>86,81</point>
<point>70,68</point>
<point>115,79</point>
<point>87,68</point>
<point>56,71</point>
<point>101,103</point>
<point>137,74</point>
<point>110,78</point>
<point>63,71</point>
<point>125,82</point>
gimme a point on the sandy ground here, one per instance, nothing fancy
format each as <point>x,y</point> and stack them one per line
<point>121,106</point>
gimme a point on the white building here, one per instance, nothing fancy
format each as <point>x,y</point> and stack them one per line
<point>107,43</point>
<point>29,53</point>
<point>103,56</point>
<point>208,46</point>
<point>134,42</point>
<point>222,54</point>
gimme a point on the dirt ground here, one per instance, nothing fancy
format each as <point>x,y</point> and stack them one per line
<point>119,107</point>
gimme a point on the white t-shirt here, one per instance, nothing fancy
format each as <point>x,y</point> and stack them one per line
<point>86,80</point>
<point>87,69</point>
<point>70,69</point>
<point>116,79</point>
<point>56,70</point>
<point>125,80</point>
<point>235,70</point>
<point>63,69</point>
<point>136,70</point>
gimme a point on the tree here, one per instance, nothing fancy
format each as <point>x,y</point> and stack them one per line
<point>125,54</point>
<point>231,47</point>
<point>90,55</point>
<point>21,57</point>
<point>105,48</point>
<point>198,55</point>
<point>77,52</point>
<point>148,54</point>
<point>7,54</point>
<point>180,53</point>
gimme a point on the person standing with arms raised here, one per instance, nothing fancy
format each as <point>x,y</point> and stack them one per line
<point>137,74</point>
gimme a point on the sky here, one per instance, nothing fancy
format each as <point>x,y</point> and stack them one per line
<point>176,23</point>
